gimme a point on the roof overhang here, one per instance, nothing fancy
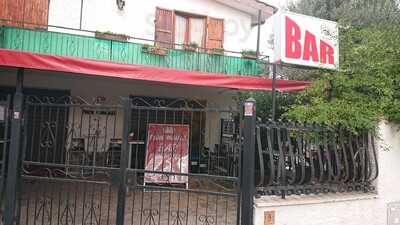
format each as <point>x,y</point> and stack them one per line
<point>252,7</point>
<point>19,59</point>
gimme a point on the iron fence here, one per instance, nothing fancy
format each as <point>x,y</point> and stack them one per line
<point>299,158</point>
<point>68,175</point>
<point>85,162</point>
<point>212,192</point>
<point>5,103</point>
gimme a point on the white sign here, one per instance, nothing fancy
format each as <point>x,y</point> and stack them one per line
<point>306,41</point>
<point>248,109</point>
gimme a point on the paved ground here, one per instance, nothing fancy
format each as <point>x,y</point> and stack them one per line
<point>44,203</point>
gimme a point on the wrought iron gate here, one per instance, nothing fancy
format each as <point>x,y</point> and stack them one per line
<point>4,143</point>
<point>84,163</point>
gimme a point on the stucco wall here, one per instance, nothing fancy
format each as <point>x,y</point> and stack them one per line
<point>345,209</point>
<point>266,37</point>
<point>137,18</point>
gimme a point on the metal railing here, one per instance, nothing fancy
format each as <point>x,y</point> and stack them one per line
<point>86,161</point>
<point>299,159</point>
<point>88,44</point>
<point>77,152</point>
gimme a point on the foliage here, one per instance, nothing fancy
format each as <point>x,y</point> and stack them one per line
<point>367,86</point>
<point>249,52</point>
<point>192,46</point>
<point>354,12</point>
<point>218,50</point>
<point>109,33</point>
<point>264,103</point>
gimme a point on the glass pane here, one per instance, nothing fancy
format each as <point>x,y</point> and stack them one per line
<point>197,31</point>
<point>180,31</point>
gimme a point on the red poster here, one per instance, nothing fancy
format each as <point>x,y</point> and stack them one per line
<point>167,151</point>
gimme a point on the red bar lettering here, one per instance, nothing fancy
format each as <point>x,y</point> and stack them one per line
<point>310,47</point>
<point>293,35</point>
<point>327,52</point>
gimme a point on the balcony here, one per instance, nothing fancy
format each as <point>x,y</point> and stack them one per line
<point>133,51</point>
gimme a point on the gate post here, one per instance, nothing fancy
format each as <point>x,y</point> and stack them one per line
<point>14,156</point>
<point>248,168</point>
<point>123,162</point>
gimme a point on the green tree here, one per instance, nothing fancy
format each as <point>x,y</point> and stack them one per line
<point>355,12</point>
<point>366,87</point>
<point>264,103</point>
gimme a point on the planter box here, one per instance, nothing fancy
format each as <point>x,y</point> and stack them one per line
<point>190,49</point>
<point>246,56</point>
<point>110,36</point>
<point>155,50</point>
<point>214,52</point>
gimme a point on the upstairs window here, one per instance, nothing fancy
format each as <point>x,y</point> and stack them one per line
<point>189,29</point>
<point>185,28</point>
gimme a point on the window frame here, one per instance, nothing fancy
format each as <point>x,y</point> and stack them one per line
<point>187,16</point>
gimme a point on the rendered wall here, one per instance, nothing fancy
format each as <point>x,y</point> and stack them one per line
<point>137,18</point>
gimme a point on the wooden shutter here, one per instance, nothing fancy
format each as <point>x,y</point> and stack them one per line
<point>215,33</point>
<point>21,12</point>
<point>36,12</point>
<point>164,23</point>
<point>11,11</point>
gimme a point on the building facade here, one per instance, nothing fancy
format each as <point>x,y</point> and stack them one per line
<point>190,36</point>
<point>85,85</point>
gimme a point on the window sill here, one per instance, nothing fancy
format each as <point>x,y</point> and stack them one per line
<point>273,201</point>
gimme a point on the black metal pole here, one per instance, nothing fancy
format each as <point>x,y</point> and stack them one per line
<point>258,33</point>
<point>14,159</point>
<point>123,162</point>
<point>273,114</point>
<point>248,168</point>
<point>273,111</point>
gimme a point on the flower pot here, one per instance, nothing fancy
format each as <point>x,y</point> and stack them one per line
<point>247,56</point>
<point>217,53</point>
<point>155,50</point>
<point>159,51</point>
<point>146,49</point>
<point>111,36</point>
<point>190,49</point>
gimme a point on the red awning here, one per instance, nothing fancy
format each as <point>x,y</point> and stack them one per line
<point>29,60</point>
